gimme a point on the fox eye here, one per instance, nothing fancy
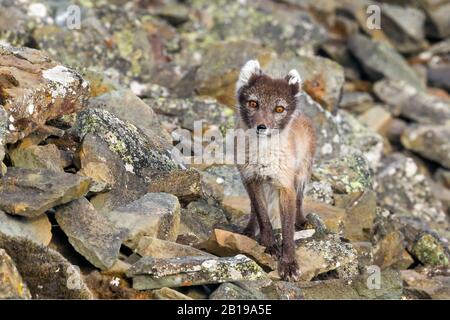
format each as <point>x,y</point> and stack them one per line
<point>279,109</point>
<point>252,104</point>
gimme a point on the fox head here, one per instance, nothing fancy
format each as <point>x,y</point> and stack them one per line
<point>266,103</point>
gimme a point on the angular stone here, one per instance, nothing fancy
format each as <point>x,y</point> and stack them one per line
<point>124,104</point>
<point>365,254</point>
<point>231,291</point>
<point>436,287</point>
<point>380,60</point>
<point>431,142</point>
<point>38,157</point>
<point>154,214</point>
<point>376,118</point>
<point>37,229</point>
<point>333,217</point>
<point>443,176</point>
<point>11,283</point>
<point>227,244</point>
<point>169,294</point>
<point>140,155</point>
<point>430,251</point>
<point>437,11</point>
<point>402,189</point>
<point>34,89</point>
<point>90,233</point>
<point>149,273</point>
<point>31,192</point>
<point>46,272</point>
<point>412,104</point>
<point>356,101</point>
<point>389,251</point>
<point>162,249</point>
<point>184,184</point>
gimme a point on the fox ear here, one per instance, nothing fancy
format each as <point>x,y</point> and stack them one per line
<point>294,80</point>
<point>250,69</point>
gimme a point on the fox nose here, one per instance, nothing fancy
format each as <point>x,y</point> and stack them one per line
<point>261,128</point>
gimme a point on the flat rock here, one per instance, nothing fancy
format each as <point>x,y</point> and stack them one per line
<point>31,192</point>
<point>91,234</point>
<point>162,249</point>
<point>436,287</point>
<point>37,229</point>
<point>412,104</point>
<point>149,273</point>
<point>38,157</point>
<point>380,60</point>
<point>11,283</point>
<point>154,214</point>
<point>227,244</point>
<point>184,184</point>
<point>35,89</point>
<point>140,154</point>
<point>234,291</point>
<point>431,142</point>
<point>46,272</point>
<point>169,294</point>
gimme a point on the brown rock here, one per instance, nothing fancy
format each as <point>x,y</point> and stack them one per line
<point>11,283</point>
<point>157,248</point>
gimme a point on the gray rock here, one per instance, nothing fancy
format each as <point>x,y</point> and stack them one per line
<point>379,60</point>
<point>149,273</point>
<point>90,233</point>
<point>154,214</point>
<point>140,155</point>
<point>431,142</point>
<point>162,249</point>
<point>410,103</point>
<point>437,13</point>
<point>11,283</point>
<point>31,192</point>
<point>232,291</point>
<point>36,90</point>
<point>422,286</point>
<point>36,229</point>
<point>46,272</point>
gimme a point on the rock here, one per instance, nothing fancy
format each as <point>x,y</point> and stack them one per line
<point>149,273</point>
<point>90,233</point>
<point>231,291</point>
<point>438,75</point>
<point>319,255</point>
<point>443,176</point>
<point>35,89</point>
<point>199,218</point>
<point>390,288</point>
<point>356,102</point>
<point>169,294</point>
<point>430,251</point>
<point>220,68</point>
<point>412,104</point>
<point>154,214</point>
<point>125,105</point>
<point>437,287</point>
<point>389,251</point>
<point>35,229</point>
<point>185,112</point>
<point>227,244</point>
<point>46,272</point>
<point>380,60</point>
<point>404,26</point>
<point>333,217</point>
<point>431,142</point>
<point>437,13</point>
<point>31,192</point>
<point>139,154</point>
<point>162,249</point>
<point>11,283</point>
<point>108,173</point>
<point>361,212</point>
<point>347,174</point>
<point>184,184</point>
<point>323,79</point>
<point>376,118</point>
<point>365,254</point>
<point>402,189</point>
<point>38,157</point>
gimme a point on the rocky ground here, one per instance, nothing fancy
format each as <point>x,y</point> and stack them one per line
<point>93,205</point>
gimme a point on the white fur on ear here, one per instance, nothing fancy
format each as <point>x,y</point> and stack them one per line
<point>250,68</point>
<point>294,77</point>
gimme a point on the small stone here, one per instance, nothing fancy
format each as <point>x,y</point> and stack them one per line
<point>90,233</point>
<point>436,287</point>
<point>365,254</point>
<point>37,229</point>
<point>333,217</point>
<point>389,251</point>
<point>31,192</point>
<point>169,294</point>
<point>430,251</point>
<point>376,118</point>
<point>11,283</point>
<point>149,273</point>
<point>38,157</point>
<point>162,249</point>
<point>154,214</point>
<point>231,291</point>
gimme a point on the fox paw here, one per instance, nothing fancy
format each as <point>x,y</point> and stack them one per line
<point>289,271</point>
<point>274,250</point>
